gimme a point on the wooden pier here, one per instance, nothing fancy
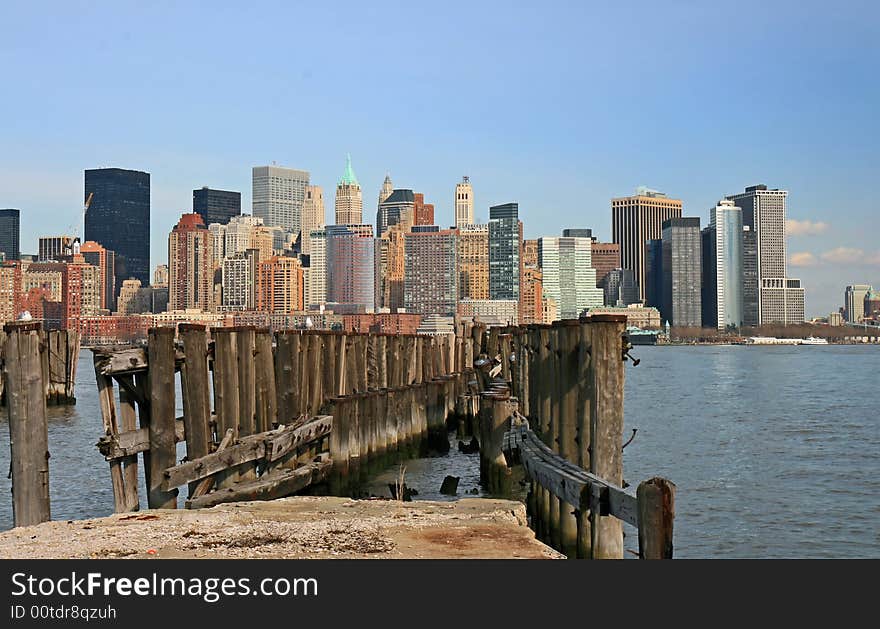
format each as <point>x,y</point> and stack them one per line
<point>269,415</point>
<point>57,360</point>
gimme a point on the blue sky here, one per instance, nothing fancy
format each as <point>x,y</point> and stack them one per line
<point>559,106</point>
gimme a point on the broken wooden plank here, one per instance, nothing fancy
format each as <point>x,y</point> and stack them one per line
<point>205,485</point>
<point>292,437</point>
<point>133,441</point>
<point>268,487</point>
<point>127,360</point>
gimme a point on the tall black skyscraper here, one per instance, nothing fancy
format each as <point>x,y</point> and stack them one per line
<point>505,255</point>
<point>119,219</point>
<point>10,234</point>
<point>216,206</point>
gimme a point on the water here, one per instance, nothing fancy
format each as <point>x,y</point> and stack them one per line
<point>774,450</point>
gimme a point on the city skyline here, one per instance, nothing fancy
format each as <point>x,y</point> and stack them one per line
<point>561,152</point>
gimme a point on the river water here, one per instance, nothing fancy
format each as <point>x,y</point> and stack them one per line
<point>775,451</point>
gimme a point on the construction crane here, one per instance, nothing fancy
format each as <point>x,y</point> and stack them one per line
<point>82,224</point>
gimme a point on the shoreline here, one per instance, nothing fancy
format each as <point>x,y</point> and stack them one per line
<point>297,527</point>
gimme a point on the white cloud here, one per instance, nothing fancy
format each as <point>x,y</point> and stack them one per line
<point>794,227</point>
<point>803,258</point>
<point>844,255</point>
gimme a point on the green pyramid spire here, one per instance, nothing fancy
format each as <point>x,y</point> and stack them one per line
<point>348,177</point>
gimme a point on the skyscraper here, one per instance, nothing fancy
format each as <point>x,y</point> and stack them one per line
<point>780,298</point>
<point>350,267</point>
<point>423,213</point>
<point>96,255</point>
<point>387,189</point>
<point>505,255</point>
<point>569,278</point>
<point>750,291</point>
<point>854,302</point>
<point>473,262</point>
<point>682,281</point>
<point>349,202</point>
<point>278,195</point>
<point>654,273</point>
<point>464,202</point>
<point>722,267</point>
<point>313,216</point>
<point>54,248</point>
<point>216,206</point>
<point>10,234</point>
<point>190,265</point>
<point>391,267</point>
<point>317,292</point>
<point>397,209</point>
<point>620,288</point>
<point>606,258</point>
<point>430,278</point>
<point>279,285</point>
<point>119,218</point>
<point>636,220</point>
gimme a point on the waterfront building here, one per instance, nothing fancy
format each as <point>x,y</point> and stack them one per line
<point>854,302</point>
<point>636,220</point>
<point>505,252</point>
<point>682,281</point>
<point>118,217</point>
<point>278,196</point>
<point>313,216</point>
<point>637,315</point>
<point>190,265</point>
<point>473,261</point>
<point>835,319</point>
<point>10,233</point>
<point>654,273</point>
<point>751,310</point>
<point>492,312</point>
<point>349,203</point>
<point>350,267</point>
<point>104,259</point>
<point>568,275</point>
<point>464,202</point>
<point>722,282</point>
<point>11,294</point>
<point>423,213</point>
<point>780,298</point>
<point>872,305</point>
<point>620,288</point>
<point>430,274</point>
<point>397,209</point>
<point>216,206</point>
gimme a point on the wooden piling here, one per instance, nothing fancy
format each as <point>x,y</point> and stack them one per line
<point>266,417</point>
<point>339,445</point>
<point>163,452</point>
<point>194,388</point>
<point>28,428</point>
<point>606,425</point>
<point>656,503</point>
<point>568,334</point>
<point>128,422</point>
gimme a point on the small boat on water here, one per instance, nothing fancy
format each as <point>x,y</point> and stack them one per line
<point>813,340</point>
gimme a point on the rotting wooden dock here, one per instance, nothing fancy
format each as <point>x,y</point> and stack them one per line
<point>266,415</point>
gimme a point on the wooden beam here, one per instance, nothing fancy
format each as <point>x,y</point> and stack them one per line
<point>127,360</point>
<point>205,485</point>
<point>163,453</point>
<point>277,484</point>
<point>273,443</point>
<point>568,482</point>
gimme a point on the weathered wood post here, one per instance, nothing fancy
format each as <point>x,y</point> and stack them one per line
<point>391,430</point>
<point>583,426</point>
<point>313,372</point>
<point>495,412</point>
<point>568,333</point>
<point>28,428</point>
<point>111,427</point>
<point>328,367</point>
<point>606,425</point>
<point>284,382</point>
<point>382,350</point>
<point>194,387</point>
<point>339,445</point>
<point>163,451</point>
<point>127,423</point>
<point>264,376</point>
<point>656,500</point>
<point>340,384</point>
